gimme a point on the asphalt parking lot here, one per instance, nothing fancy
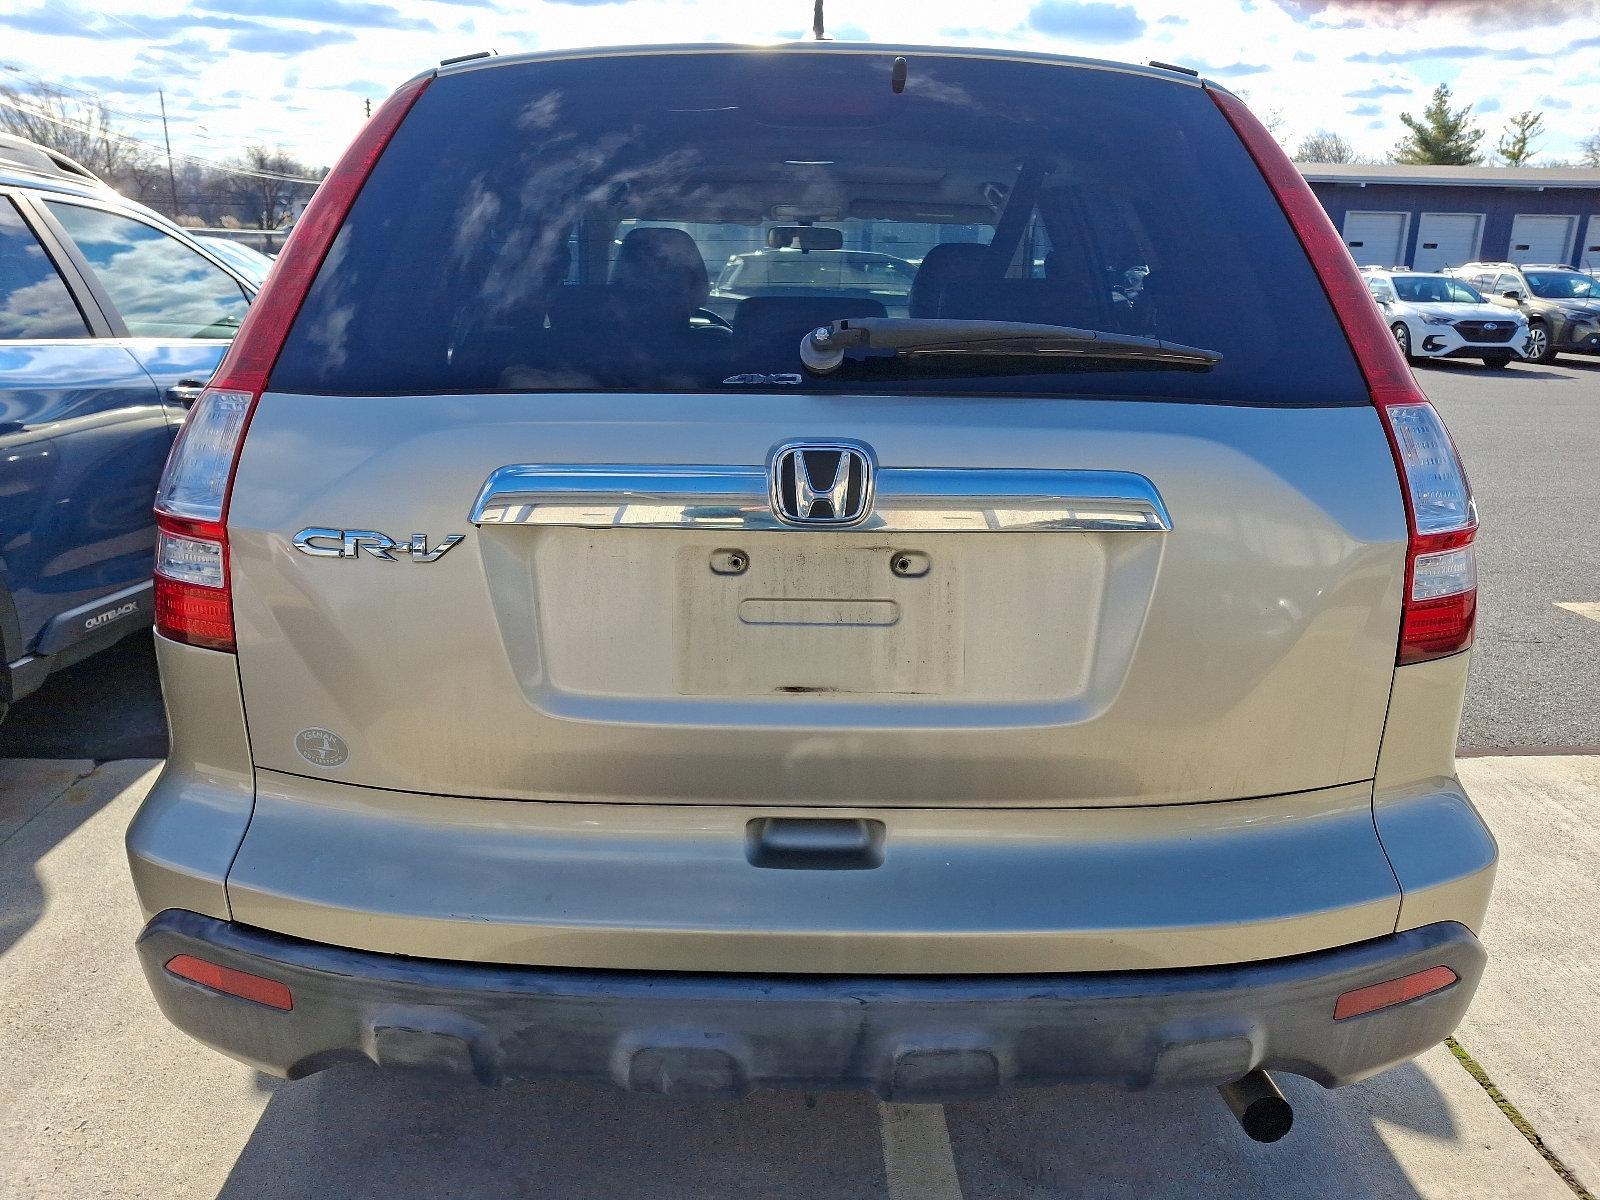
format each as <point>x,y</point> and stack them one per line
<point>101,1097</point>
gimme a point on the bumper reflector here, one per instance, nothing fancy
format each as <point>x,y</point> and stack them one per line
<point>1391,992</point>
<point>232,983</point>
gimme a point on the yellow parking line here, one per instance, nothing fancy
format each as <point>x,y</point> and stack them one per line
<point>917,1158</point>
<point>1583,609</point>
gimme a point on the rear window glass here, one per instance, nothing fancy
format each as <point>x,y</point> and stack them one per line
<point>636,223</point>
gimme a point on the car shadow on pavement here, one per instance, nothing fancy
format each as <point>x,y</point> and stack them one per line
<point>41,806</point>
<point>356,1132</point>
<point>106,707</point>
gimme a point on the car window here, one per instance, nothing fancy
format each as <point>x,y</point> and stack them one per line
<point>34,301</point>
<point>1012,191</point>
<point>161,287</point>
<point>1507,283</point>
<point>1563,285</point>
<point>1380,289</point>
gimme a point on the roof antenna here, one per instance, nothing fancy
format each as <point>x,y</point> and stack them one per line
<point>816,22</point>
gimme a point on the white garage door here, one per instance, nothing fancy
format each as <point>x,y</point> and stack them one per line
<point>1447,240</point>
<point>1589,256</point>
<point>1376,239</point>
<point>1541,239</point>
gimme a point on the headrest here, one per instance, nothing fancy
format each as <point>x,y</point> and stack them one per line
<point>949,270</point>
<point>665,261</point>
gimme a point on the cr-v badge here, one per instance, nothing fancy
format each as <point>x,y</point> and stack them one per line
<point>349,543</point>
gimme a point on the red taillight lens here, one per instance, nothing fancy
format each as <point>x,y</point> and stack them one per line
<point>1391,992</point>
<point>194,599</point>
<point>1440,603</point>
<point>232,982</point>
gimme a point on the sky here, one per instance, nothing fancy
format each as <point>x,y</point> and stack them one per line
<point>296,73</point>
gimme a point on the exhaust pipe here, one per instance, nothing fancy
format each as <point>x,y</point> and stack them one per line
<point>1261,1110</point>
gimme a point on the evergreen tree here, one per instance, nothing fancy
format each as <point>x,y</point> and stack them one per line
<point>1443,135</point>
<point>1517,142</point>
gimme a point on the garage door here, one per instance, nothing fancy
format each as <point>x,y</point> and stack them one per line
<point>1376,239</point>
<point>1541,239</point>
<point>1589,257</point>
<point>1446,240</point>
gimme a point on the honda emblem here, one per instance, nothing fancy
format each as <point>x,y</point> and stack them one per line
<point>821,483</point>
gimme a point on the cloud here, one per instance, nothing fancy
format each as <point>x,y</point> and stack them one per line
<point>287,41</point>
<point>1491,105</point>
<point>1234,69</point>
<point>116,86</point>
<point>1172,19</point>
<point>1087,22</point>
<point>64,20</point>
<point>354,13</point>
<point>1300,56</point>
<point>1554,102</point>
<point>1366,110</point>
<point>1476,14</point>
<point>1378,90</point>
<point>361,87</point>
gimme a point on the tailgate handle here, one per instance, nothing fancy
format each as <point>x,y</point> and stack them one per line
<point>814,843</point>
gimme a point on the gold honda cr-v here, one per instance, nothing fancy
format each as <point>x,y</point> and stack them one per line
<point>1056,679</point>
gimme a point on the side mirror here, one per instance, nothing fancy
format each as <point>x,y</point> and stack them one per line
<point>1512,294</point>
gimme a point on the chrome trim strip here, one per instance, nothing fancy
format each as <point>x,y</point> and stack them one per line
<point>908,500</point>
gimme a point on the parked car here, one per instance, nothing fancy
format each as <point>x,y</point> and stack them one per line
<point>1561,305</point>
<point>246,260</point>
<point>1037,687</point>
<point>1437,316</point>
<point>111,320</point>
<point>864,274</point>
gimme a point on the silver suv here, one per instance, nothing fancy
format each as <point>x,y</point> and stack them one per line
<point>1046,684</point>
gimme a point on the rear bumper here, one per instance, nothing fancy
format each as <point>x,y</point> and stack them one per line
<point>907,1038</point>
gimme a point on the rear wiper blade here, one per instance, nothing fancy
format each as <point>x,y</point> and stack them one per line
<point>822,351</point>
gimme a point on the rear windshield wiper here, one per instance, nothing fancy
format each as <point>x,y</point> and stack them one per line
<point>822,351</point>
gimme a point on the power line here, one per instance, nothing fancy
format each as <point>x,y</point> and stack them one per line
<point>197,128</point>
<point>81,127</point>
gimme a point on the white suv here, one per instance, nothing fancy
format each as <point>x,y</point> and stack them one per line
<point>1436,316</point>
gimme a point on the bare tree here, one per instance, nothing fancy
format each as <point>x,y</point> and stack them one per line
<point>81,129</point>
<point>272,193</point>
<point>1589,149</point>
<point>1325,146</point>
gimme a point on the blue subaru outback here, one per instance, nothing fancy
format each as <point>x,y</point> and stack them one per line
<point>111,320</point>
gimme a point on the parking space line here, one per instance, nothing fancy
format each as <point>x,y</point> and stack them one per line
<point>1590,610</point>
<point>917,1159</point>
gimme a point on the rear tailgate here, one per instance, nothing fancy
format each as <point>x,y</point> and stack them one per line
<point>1245,652</point>
<point>1075,585</point>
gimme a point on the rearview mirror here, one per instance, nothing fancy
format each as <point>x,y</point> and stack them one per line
<point>804,237</point>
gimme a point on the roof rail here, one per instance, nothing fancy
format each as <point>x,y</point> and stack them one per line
<point>20,153</point>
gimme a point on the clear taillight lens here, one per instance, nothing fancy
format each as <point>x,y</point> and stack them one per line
<point>1441,502</point>
<point>194,487</point>
<point>192,560</point>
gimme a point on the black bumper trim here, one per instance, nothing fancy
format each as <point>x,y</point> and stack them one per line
<point>903,1037</point>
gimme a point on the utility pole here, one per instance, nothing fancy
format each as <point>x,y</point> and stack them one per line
<point>172,178</point>
<point>816,21</point>
<point>369,109</point>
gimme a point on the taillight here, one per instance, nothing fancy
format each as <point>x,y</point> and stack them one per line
<point>194,596</point>
<point>1440,602</point>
